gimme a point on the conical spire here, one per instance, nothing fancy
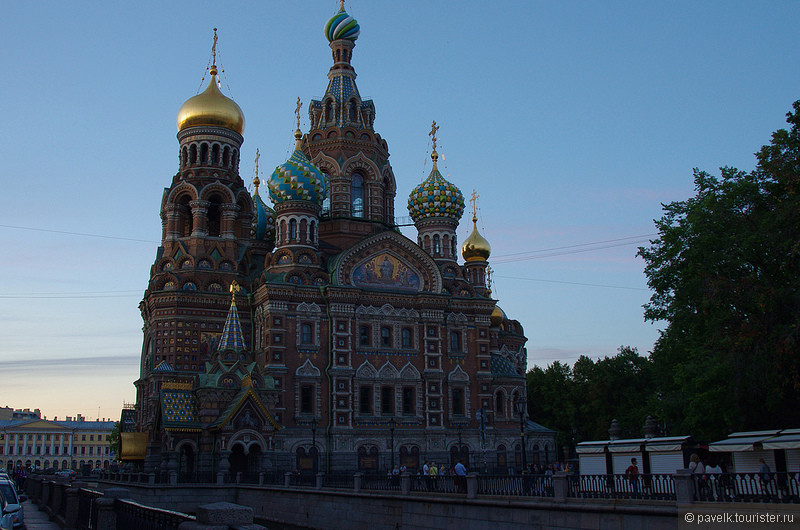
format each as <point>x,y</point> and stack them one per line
<point>232,338</point>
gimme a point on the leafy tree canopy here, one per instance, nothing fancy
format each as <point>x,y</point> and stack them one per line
<point>725,275</point>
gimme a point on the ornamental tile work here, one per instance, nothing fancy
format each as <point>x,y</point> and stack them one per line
<point>435,197</point>
<point>297,180</point>
<point>178,406</point>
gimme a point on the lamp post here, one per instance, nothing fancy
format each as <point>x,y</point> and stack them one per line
<point>519,404</point>
<point>392,425</point>
<point>313,424</point>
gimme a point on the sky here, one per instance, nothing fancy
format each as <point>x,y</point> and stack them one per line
<point>573,121</point>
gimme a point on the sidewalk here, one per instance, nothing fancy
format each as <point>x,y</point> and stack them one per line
<point>36,520</point>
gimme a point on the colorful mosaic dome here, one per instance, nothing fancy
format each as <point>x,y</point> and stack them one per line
<point>342,26</point>
<point>297,179</point>
<point>435,197</point>
<point>263,218</point>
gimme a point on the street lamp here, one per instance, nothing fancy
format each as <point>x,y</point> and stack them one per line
<point>313,424</point>
<point>520,406</point>
<point>392,425</point>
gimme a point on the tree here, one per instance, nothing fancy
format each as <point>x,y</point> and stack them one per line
<point>115,440</point>
<point>581,401</point>
<point>724,274</point>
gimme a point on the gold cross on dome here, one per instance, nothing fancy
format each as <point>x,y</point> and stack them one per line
<point>214,49</point>
<point>256,182</point>
<point>341,5</point>
<point>235,287</point>
<point>297,112</point>
<point>432,134</point>
<point>474,202</point>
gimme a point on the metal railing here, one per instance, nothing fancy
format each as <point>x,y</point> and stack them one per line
<point>134,516</point>
<point>654,486</point>
<point>87,509</point>
<point>747,487</point>
<point>516,485</point>
<point>380,483</point>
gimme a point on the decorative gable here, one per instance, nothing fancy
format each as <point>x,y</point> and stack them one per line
<point>388,260</point>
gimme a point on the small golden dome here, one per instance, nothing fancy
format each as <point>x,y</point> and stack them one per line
<point>475,247</point>
<point>497,316</point>
<point>211,108</point>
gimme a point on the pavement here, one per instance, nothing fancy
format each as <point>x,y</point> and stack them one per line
<point>36,520</point>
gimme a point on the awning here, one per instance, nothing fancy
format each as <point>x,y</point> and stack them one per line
<point>741,441</point>
<point>591,447</point>
<point>787,439</point>
<point>666,443</point>
<point>633,445</point>
<point>133,445</point>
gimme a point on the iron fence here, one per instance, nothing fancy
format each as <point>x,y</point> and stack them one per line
<point>747,487</point>
<point>87,509</point>
<point>516,485</point>
<point>380,483</point>
<point>655,486</point>
<point>134,516</point>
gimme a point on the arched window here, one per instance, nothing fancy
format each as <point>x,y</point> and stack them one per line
<point>436,247</point>
<point>184,156</point>
<point>405,336</point>
<point>498,404</point>
<point>312,235</point>
<point>193,154</point>
<point>214,215</point>
<point>226,156</point>
<point>386,336</point>
<point>326,202</point>
<point>215,155</point>
<point>357,195</point>
<point>329,111</point>
<point>353,110</point>
<point>457,401</point>
<point>204,153</point>
<point>292,230</point>
<point>305,334</point>
<point>455,342</point>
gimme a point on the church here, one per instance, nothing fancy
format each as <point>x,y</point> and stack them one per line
<point>295,328</point>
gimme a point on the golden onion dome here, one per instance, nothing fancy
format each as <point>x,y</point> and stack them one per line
<point>475,247</point>
<point>497,316</point>
<point>211,108</point>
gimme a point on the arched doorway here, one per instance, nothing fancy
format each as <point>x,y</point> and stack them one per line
<point>186,461</point>
<point>409,457</point>
<point>254,459</point>
<point>238,460</point>
<point>461,454</point>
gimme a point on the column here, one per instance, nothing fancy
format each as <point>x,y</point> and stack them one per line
<point>199,217</point>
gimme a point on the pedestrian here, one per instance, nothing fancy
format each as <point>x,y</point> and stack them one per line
<point>461,477</point>
<point>633,476</point>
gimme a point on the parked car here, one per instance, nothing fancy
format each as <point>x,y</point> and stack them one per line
<point>13,507</point>
<point>6,519</point>
<point>69,473</point>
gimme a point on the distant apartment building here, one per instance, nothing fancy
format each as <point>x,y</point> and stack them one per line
<point>27,440</point>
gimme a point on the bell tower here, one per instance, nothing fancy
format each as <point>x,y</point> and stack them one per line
<point>344,145</point>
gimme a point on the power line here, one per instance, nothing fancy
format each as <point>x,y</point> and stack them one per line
<point>99,236</point>
<point>571,249</point>
<point>574,283</point>
<point>89,294</point>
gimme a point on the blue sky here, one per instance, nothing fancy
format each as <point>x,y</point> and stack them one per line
<point>573,121</point>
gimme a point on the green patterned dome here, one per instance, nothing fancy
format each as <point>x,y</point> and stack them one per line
<point>342,26</point>
<point>297,179</point>
<point>435,197</point>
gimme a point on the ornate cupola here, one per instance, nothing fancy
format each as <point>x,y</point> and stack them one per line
<point>210,128</point>
<point>297,188</point>
<point>476,250</point>
<point>436,206</point>
<point>344,145</point>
